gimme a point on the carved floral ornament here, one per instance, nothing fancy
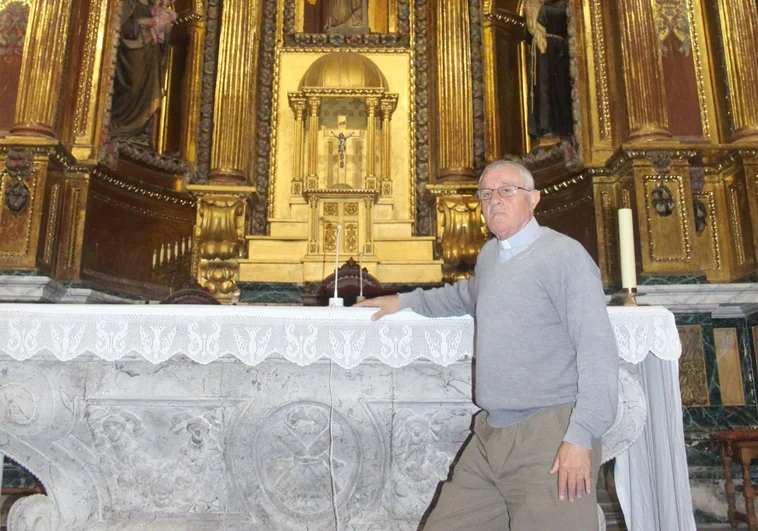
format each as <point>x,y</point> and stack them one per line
<point>18,166</point>
<point>662,200</point>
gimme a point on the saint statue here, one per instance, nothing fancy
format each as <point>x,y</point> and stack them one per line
<point>345,16</point>
<point>550,114</point>
<point>140,65</point>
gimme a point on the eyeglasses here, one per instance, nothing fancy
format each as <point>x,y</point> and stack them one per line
<point>509,190</point>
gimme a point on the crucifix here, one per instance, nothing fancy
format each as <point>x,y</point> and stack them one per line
<point>342,139</point>
<point>340,177</point>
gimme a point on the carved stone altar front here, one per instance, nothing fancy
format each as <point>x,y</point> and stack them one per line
<point>191,445</point>
<point>250,418</point>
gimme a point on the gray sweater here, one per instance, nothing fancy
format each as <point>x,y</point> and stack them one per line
<point>543,337</point>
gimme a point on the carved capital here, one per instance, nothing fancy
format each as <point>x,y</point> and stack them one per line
<point>297,104</point>
<point>461,231</point>
<point>371,104</point>
<point>388,106</point>
<point>220,237</point>
<point>314,105</point>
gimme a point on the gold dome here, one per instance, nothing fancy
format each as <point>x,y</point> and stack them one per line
<point>343,70</point>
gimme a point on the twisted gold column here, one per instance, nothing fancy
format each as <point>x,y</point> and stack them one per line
<point>454,96</point>
<point>371,105</point>
<point>40,83</point>
<point>314,105</point>
<point>739,19</point>
<point>388,105</point>
<point>234,108</point>
<point>643,72</point>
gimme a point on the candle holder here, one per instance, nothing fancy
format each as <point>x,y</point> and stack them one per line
<point>625,297</point>
<point>360,298</point>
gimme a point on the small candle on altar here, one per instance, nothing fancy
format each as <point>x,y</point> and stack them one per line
<point>626,249</point>
<point>336,300</point>
<point>360,297</point>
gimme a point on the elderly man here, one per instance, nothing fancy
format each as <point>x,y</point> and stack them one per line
<point>546,370</point>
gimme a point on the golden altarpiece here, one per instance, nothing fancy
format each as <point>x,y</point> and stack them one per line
<point>230,142</point>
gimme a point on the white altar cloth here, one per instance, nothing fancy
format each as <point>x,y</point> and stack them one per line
<point>94,397</point>
<point>652,480</point>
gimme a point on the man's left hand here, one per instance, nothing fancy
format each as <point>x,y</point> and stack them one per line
<point>573,464</point>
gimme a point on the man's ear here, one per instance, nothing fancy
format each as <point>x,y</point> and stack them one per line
<point>534,198</point>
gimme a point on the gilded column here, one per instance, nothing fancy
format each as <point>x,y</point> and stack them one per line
<point>371,105</point>
<point>297,103</point>
<point>314,105</point>
<point>454,98</point>
<point>739,19</point>
<point>191,105</point>
<point>643,72</point>
<point>40,83</point>
<point>84,125</point>
<point>234,108</point>
<point>368,245</point>
<point>492,146</point>
<point>388,105</point>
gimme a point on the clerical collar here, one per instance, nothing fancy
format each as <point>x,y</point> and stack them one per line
<point>524,237</point>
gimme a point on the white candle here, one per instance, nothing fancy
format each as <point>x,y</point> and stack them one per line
<point>336,301</point>
<point>626,249</point>
<point>360,274</point>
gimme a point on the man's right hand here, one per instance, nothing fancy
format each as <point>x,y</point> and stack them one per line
<point>387,304</point>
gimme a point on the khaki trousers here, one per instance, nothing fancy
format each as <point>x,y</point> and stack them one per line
<point>501,480</point>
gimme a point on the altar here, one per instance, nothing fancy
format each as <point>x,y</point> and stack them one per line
<point>258,418</point>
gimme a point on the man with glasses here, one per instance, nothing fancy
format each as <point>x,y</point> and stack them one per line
<point>546,370</point>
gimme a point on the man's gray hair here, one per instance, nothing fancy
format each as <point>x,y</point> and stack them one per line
<point>525,174</point>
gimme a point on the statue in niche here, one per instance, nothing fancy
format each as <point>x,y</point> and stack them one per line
<point>345,16</point>
<point>140,65</point>
<point>550,113</point>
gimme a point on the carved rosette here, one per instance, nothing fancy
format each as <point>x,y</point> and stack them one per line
<point>461,230</point>
<point>220,237</point>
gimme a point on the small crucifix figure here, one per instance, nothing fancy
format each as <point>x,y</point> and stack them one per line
<point>343,165</point>
<point>342,139</point>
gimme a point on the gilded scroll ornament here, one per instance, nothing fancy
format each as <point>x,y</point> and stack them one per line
<point>460,234</point>
<point>220,237</point>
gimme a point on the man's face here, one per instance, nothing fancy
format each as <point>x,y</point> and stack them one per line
<point>506,216</point>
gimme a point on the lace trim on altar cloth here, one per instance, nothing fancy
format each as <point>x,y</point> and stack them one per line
<point>644,330</point>
<point>302,336</point>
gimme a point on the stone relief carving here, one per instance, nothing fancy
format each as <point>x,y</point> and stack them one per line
<point>141,476</point>
<point>301,470</point>
<point>34,513</point>
<point>631,414</point>
<point>254,448</point>
<point>421,461</point>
